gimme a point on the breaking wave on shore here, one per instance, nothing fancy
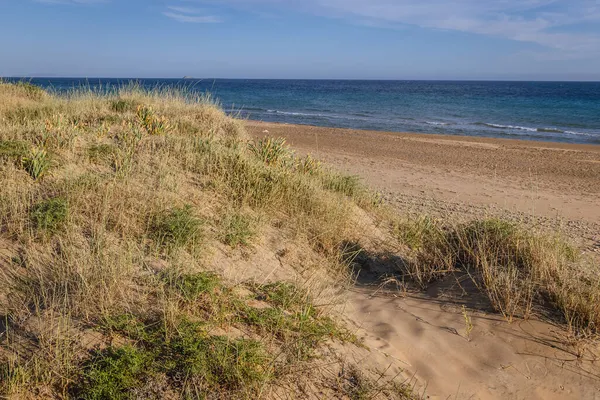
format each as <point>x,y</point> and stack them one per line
<point>528,129</point>
<point>412,124</point>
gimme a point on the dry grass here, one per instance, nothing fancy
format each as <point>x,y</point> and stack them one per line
<point>521,271</point>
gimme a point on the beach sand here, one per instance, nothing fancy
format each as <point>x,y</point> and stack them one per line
<point>550,185</point>
<point>554,185</point>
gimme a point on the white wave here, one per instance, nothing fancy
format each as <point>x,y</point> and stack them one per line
<point>331,116</point>
<point>579,133</point>
<point>540,130</point>
<point>520,128</point>
<point>295,113</point>
<point>437,123</point>
<point>550,130</point>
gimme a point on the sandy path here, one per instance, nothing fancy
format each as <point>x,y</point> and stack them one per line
<point>497,360</point>
<point>553,184</point>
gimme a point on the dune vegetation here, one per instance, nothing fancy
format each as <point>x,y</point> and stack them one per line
<point>150,249</point>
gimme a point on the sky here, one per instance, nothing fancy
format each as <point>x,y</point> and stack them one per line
<point>312,39</point>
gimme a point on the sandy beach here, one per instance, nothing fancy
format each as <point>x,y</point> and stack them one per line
<point>548,185</point>
<point>552,184</point>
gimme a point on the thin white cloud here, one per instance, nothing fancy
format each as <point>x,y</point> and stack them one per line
<point>190,15</point>
<point>209,19</point>
<point>543,22</point>
<point>521,21</point>
<point>185,10</point>
<point>82,2</point>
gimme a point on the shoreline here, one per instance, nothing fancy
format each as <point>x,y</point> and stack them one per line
<point>450,137</point>
<point>557,183</point>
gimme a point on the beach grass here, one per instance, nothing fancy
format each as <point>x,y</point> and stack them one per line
<point>522,272</point>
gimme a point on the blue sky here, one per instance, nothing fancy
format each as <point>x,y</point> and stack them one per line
<point>354,39</point>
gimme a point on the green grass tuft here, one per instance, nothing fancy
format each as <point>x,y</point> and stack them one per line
<point>151,123</point>
<point>25,116</point>
<point>346,184</point>
<point>37,163</point>
<point>50,215</point>
<point>271,151</point>
<point>12,149</point>
<point>430,247</point>
<point>518,270</point>
<point>192,286</point>
<point>113,374</point>
<point>282,294</point>
<point>124,105</point>
<point>308,165</point>
<point>218,361</point>
<point>177,228</point>
<point>237,229</point>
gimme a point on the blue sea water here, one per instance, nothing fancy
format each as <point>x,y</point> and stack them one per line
<point>550,111</point>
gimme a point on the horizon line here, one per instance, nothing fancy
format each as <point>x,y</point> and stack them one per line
<point>305,79</point>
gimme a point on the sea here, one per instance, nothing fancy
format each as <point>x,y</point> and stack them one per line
<point>544,111</point>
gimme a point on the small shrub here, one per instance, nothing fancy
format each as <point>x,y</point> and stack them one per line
<point>220,362</point>
<point>195,362</point>
<point>238,229</point>
<point>293,319</point>
<point>113,373</point>
<point>300,332</point>
<point>37,163</point>
<point>133,328</point>
<point>271,151</point>
<point>123,105</point>
<point>49,215</point>
<point>151,123</point>
<point>177,228</point>
<point>189,358</point>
